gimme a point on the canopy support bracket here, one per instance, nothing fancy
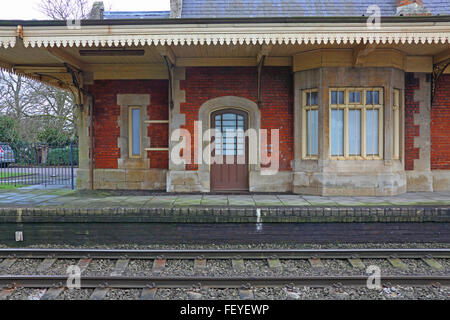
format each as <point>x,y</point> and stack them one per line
<point>438,70</point>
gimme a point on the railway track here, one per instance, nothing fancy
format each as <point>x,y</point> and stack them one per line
<point>224,254</point>
<point>55,284</point>
<point>119,282</point>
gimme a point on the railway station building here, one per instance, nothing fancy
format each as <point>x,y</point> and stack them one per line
<point>327,97</point>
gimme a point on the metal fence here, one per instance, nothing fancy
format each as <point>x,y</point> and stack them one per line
<point>24,164</point>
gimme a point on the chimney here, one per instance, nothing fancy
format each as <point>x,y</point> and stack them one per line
<point>176,6</point>
<point>97,11</point>
<point>411,8</point>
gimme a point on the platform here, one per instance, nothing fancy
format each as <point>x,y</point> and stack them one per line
<point>138,206</point>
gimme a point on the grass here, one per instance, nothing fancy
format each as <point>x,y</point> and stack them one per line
<point>12,174</point>
<point>10,186</point>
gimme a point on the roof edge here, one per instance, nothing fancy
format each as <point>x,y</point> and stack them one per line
<point>165,21</point>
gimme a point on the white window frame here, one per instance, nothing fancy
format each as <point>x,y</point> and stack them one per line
<point>363,107</point>
<point>305,109</point>
<point>130,132</point>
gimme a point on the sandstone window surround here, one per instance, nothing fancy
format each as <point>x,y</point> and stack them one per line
<point>356,123</point>
<point>133,105</point>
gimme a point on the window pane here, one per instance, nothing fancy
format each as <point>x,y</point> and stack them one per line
<point>376,98</point>
<point>333,97</point>
<point>308,98</point>
<point>314,98</point>
<point>313,133</point>
<point>372,132</point>
<point>136,132</point>
<point>354,132</point>
<point>369,97</point>
<point>337,97</point>
<point>355,97</point>
<point>341,97</point>
<point>337,132</point>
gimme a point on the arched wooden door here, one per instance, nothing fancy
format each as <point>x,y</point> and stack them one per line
<point>229,171</point>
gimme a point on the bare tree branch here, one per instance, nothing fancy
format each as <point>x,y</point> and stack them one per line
<point>65,9</point>
<point>33,104</point>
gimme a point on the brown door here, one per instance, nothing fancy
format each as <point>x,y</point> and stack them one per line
<point>229,171</point>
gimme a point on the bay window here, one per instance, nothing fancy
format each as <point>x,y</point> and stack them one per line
<point>356,123</point>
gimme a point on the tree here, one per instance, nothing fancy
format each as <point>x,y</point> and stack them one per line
<point>8,130</point>
<point>65,9</point>
<point>54,137</point>
<point>19,96</point>
<point>21,100</point>
<point>35,106</point>
<point>39,110</point>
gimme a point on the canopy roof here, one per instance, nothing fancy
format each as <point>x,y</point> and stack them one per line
<point>427,29</point>
<point>43,49</point>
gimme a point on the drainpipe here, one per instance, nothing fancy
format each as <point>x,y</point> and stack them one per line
<point>260,68</point>
<point>170,70</point>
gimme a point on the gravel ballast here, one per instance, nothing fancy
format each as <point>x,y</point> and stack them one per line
<point>303,293</point>
<point>258,268</point>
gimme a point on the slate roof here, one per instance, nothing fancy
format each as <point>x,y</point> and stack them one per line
<point>291,8</point>
<point>280,8</point>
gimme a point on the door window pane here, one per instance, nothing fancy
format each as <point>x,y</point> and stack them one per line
<point>372,132</point>
<point>313,132</point>
<point>354,132</point>
<point>229,116</point>
<point>136,131</point>
<point>337,132</point>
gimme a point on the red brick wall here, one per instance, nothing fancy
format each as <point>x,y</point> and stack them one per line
<point>205,83</point>
<point>440,125</point>
<point>411,130</point>
<point>106,113</point>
